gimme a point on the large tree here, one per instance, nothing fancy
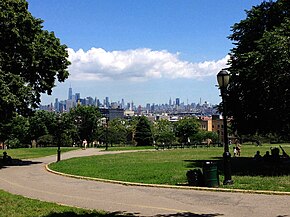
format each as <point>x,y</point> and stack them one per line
<point>163,132</point>
<point>186,128</point>
<point>87,122</point>
<point>31,60</point>
<point>259,93</point>
<point>143,134</point>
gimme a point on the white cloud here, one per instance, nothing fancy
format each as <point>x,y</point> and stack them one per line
<point>139,64</point>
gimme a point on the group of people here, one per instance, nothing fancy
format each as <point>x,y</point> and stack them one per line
<point>274,156</point>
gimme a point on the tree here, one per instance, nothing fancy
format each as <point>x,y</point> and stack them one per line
<point>86,120</point>
<point>202,136</point>
<point>117,131</point>
<point>18,133</point>
<point>31,60</point>
<point>143,134</point>
<point>186,128</point>
<point>42,123</point>
<point>163,132</point>
<point>258,94</point>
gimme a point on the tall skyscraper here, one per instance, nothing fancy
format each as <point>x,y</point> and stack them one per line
<point>177,102</point>
<point>107,102</point>
<point>56,105</point>
<point>70,93</point>
<point>77,96</point>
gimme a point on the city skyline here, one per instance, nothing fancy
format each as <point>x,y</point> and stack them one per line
<point>143,51</point>
<point>74,98</point>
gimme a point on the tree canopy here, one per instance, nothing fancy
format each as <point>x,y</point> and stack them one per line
<point>259,93</point>
<point>186,128</point>
<point>86,119</point>
<point>143,133</point>
<point>31,60</point>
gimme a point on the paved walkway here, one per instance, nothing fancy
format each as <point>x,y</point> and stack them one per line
<point>34,181</point>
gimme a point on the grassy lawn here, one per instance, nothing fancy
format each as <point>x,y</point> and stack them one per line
<point>28,153</point>
<point>170,167</point>
<point>19,206</point>
<point>127,148</point>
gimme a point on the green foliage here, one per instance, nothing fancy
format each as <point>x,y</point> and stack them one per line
<point>117,131</point>
<point>163,132</point>
<point>186,128</point>
<point>31,60</point>
<point>259,94</point>
<point>18,135</point>
<point>202,136</point>
<point>143,134</point>
<point>45,140</point>
<point>86,123</point>
<point>42,123</point>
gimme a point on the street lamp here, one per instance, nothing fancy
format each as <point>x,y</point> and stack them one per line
<point>58,139</point>
<point>107,125</point>
<point>223,78</point>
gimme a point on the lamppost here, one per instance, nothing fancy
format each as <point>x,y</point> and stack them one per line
<point>107,125</point>
<point>58,139</point>
<point>223,78</point>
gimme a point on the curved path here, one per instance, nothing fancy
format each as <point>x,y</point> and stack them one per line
<point>32,180</point>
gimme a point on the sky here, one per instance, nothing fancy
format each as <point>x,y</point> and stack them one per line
<point>145,51</point>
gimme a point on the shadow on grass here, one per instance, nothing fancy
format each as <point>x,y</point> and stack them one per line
<point>247,166</point>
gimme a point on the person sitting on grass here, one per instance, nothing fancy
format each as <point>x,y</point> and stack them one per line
<point>257,156</point>
<point>267,157</point>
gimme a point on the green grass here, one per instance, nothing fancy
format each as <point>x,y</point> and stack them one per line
<point>19,206</point>
<point>127,148</point>
<point>28,153</point>
<point>170,167</point>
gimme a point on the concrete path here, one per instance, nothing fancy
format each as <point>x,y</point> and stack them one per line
<point>34,181</point>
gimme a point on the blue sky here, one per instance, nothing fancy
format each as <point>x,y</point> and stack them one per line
<point>144,51</point>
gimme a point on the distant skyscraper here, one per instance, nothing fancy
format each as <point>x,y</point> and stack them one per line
<point>107,103</point>
<point>170,102</point>
<point>148,107</point>
<point>70,93</point>
<point>177,102</point>
<point>77,96</point>
<point>56,105</point>
<point>123,104</point>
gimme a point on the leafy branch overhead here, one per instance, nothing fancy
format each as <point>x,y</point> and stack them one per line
<point>31,60</point>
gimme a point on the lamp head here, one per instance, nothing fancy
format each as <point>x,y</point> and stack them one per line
<point>223,78</point>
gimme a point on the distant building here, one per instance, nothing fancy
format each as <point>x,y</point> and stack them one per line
<point>70,94</point>
<point>77,97</point>
<point>213,124</point>
<point>206,123</point>
<point>69,104</point>
<point>112,113</point>
<point>56,105</point>
<point>177,102</point>
<point>128,113</point>
<point>107,102</point>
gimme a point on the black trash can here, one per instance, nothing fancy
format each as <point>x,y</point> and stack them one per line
<point>210,173</point>
<point>194,177</point>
